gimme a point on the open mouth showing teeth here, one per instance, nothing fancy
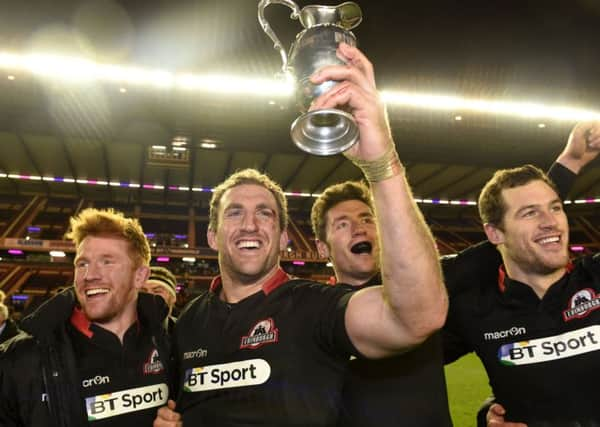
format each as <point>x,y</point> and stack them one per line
<point>554,239</point>
<point>248,244</point>
<point>93,292</point>
<point>362,248</point>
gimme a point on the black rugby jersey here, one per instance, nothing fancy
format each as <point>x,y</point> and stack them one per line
<point>542,356</point>
<point>276,358</point>
<point>121,385</point>
<point>407,390</point>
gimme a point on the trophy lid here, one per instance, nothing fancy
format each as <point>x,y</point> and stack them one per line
<point>346,15</point>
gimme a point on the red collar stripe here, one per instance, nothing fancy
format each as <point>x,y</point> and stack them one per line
<point>279,278</point>
<point>502,275</point>
<point>81,323</point>
<point>501,278</point>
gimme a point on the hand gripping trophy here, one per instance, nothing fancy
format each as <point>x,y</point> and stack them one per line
<point>328,131</point>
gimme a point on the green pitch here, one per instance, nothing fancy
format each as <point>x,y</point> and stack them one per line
<point>467,389</point>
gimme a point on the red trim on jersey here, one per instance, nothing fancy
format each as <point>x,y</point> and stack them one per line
<point>570,267</point>
<point>81,323</point>
<point>502,275</point>
<point>278,279</point>
<point>501,278</point>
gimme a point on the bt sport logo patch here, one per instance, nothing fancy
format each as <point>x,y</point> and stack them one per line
<point>549,349</point>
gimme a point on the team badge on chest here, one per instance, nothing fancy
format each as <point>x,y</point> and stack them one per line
<point>153,365</point>
<point>582,303</point>
<point>264,332</point>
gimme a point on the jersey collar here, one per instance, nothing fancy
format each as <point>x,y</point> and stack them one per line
<point>278,279</point>
<point>83,325</point>
<point>504,281</point>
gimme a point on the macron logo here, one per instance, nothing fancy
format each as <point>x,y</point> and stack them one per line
<point>195,354</point>
<point>497,335</point>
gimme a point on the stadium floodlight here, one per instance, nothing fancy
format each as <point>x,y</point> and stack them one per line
<point>522,109</point>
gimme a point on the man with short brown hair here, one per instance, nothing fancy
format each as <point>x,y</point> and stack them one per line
<point>408,389</point>
<point>96,351</point>
<point>536,328</point>
<point>260,348</point>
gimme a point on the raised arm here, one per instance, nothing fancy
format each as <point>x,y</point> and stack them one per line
<point>582,146</point>
<point>412,302</point>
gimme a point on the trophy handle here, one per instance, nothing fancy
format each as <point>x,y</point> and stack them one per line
<point>267,28</point>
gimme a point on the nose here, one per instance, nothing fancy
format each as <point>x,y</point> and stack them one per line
<point>249,222</point>
<point>91,272</point>
<point>358,228</point>
<point>548,219</point>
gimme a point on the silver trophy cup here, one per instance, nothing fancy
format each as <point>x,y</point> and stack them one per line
<point>328,131</point>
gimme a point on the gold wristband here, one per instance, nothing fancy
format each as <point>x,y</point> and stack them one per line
<point>382,168</point>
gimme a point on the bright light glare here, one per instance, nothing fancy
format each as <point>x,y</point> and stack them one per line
<point>57,254</point>
<point>234,85</point>
<point>510,108</point>
<point>75,69</point>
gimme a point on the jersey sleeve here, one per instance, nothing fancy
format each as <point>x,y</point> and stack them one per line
<point>454,345</point>
<point>563,178</point>
<point>464,274</point>
<point>330,328</point>
<point>476,264</point>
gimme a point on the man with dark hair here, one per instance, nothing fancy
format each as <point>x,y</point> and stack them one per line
<point>408,389</point>
<point>96,351</point>
<point>260,348</point>
<point>540,349</point>
<point>163,283</point>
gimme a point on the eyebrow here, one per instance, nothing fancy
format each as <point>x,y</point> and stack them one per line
<point>537,205</point>
<point>232,206</point>
<point>102,256</point>
<point>265,206</point>
<point>258,207</point>
<point>364,214</point>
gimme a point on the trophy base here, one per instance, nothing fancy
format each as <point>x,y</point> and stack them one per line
<point>324,132</point>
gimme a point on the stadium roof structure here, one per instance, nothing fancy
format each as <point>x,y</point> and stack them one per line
<point>71,125</point>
